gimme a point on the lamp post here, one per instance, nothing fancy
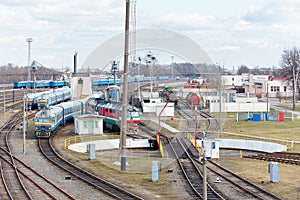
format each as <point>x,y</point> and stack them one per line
<point>151,60</point>
<point>114,70</point>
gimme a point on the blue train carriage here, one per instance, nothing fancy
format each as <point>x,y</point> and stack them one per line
<point>48,120</point>
<point>56,84</point>
<point>54,97</point>
<point>23,84</point>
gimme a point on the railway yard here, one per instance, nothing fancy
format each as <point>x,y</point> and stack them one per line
<point>44,169</point>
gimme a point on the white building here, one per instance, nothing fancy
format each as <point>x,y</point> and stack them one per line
<point>279,87</point>
<point>81,85</point>
<point>88,124</point>
<point>230,81</point>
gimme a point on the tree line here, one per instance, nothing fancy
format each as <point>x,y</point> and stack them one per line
<point>10,74</point>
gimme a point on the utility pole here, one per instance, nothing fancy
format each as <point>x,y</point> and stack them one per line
<point>138,82</point>
<point>204,176</point>
<point>4,106</point>
<point>24,123</point>
<point>220,103</point>
<point>172,58</point>
<point>125,91</point>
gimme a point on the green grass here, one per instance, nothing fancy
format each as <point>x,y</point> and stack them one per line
<point>289,131</point>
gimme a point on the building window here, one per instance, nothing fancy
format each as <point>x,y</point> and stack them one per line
<point>284,88</point>
<point>84,124</point>
<point>96,124</point>
<point>275,88</point>
<point>80,81</point>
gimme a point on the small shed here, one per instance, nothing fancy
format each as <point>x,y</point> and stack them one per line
<point>211,147</point>
<point>88,124</point>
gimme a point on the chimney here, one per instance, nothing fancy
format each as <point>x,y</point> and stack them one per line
<point>75,63</point>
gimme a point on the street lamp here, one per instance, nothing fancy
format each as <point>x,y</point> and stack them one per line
<point>151,60</point>
<point>114,70</point>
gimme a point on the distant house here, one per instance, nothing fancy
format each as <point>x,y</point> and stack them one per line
<point>279,87</point>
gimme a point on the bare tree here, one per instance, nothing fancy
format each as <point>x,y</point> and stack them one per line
<point>243,69</point>
<point>290,61</point>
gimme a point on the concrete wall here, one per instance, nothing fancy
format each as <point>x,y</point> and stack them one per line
<point>239,107</point>
<point>252,145</point>
<point>109,144</point>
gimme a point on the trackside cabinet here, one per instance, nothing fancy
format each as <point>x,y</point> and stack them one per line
<point>92,151</point>
<point>155,171</point>
<point>274,172</point>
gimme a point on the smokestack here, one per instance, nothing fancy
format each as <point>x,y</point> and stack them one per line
<point>75,63</point>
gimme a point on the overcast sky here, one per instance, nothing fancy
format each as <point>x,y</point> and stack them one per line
<point>249,32</point>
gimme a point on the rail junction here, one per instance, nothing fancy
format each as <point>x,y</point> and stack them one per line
<point>31,182</point>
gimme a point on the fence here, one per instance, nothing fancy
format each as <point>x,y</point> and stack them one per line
<point>265,116</point>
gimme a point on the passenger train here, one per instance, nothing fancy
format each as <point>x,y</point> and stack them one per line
<point>46,98</point>
<point>40,84</point>
<point>31,99</point>
<point>54,97</point>
<point>49,119</point>
<point>110,81</point>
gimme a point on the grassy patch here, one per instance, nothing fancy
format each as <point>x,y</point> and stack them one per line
<point>276,131</point>
<point>257,172</point>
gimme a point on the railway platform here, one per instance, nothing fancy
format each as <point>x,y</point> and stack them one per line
<point>154,119</point>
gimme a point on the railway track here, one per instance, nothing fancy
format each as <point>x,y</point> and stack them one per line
<point>186,112</point>
<point>9,96</point>
<point>211,125</point>
<point>104,186</point>
<point>247,189</point>
<point>19,181</point>
<point>11,178</point>
<point>190,171</point>
<point>282,157</point>
<point>15,105</point>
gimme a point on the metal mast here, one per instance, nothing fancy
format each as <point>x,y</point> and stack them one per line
<point>125,90</point>
<point>29,40</point>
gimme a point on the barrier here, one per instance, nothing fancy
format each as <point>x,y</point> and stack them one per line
<point>285,141</point>
<point>160,147</point>
<point>195,144</point>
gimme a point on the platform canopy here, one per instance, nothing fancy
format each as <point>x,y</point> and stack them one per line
<point>148,38</point>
